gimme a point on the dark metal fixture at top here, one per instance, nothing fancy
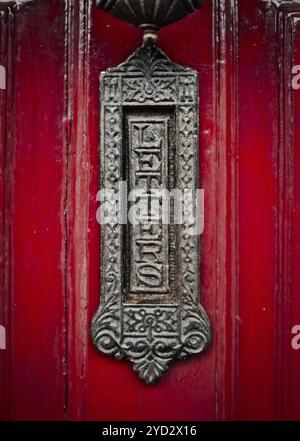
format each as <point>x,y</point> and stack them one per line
<point>150,15</point>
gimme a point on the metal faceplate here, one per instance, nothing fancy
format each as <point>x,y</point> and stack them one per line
<point>149,312</point>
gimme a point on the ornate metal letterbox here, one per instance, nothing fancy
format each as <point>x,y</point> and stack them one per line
<point>149,311</point>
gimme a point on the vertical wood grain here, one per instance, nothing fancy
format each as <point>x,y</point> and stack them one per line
<point>292,410</point>
<point>79,197</point>
<point>226,65</point>
<point>36,169</point>
<point>258,153</point>
<point>287,300</point>
<point>7,55</point>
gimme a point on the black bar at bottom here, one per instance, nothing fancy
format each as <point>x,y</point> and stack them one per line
<point>145,430</point>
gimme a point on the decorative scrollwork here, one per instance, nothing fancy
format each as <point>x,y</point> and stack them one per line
<point>158,90</point>
<point>157,320</point>
<point>195,328</point>
<point>106,322</point>
<point>148,60</point>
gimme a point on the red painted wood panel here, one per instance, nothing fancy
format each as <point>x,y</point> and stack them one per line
<point>290,31</point>
<point>6,18</point>
<point>35,232</point>
<point>258,210</point>
<point>293,389</point>
<point>50,242</point>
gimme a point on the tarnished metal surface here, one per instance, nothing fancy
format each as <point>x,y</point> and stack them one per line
<point>149,312</point>
<point>152,12</point>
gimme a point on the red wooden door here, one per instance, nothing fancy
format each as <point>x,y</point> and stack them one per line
<point>53,52</point>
